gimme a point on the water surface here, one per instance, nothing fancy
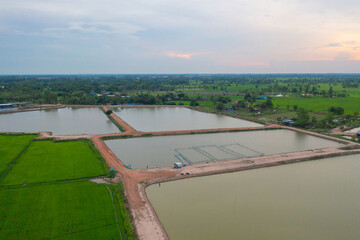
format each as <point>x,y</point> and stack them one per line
<point>309,200</point>
<point>59,121</point>
<point>176,118</point>
<point>149,152</point>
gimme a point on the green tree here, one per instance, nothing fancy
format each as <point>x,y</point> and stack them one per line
<point>302,118</point>
<point>336,110</point>
<point>220,106</point>
<point>269,103</point>
<point>194,103</point>
<point>330,91</point>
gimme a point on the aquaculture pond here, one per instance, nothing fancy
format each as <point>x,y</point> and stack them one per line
<point>309,200</point>
<point>59,121</point>
<point>176,118</point>
<point>162,151</point>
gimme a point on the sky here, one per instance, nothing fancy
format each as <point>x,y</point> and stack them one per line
<point>182,36</point>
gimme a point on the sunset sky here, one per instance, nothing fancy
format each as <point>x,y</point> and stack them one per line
<point>187,36</point>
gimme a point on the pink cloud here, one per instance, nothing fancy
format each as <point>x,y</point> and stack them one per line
<point>180,55</point>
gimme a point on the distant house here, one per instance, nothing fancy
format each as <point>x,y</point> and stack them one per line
<point>12,106</point>
<point>288,122</point>
<point>6,106</point>
<point>262,98</point>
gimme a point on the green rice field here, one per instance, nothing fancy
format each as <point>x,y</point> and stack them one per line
<point>73,210</point>
<point>10,147</point>
<point>58,201</point>
<point>47,161</point>
<point>320,104</point>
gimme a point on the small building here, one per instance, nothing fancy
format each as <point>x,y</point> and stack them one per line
<point>262,98</point>
<point>288,122</point>
<point>6,106</point>
<point>178,165</point>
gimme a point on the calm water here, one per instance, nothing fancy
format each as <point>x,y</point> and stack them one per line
<point>59,121</point>
<point>160,151</point>
<point>167,118</point>
<point>310,200</point>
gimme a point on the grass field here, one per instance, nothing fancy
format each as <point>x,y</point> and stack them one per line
<point>11,146</point>
<point>71,209</point>
<point>74,210</point>
<point>46,161</point>
<point>320,104</point>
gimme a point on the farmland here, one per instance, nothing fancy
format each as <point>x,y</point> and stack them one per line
<point>53,161</point>
<point>10,147</point>
<point>319,104</point>
<point>46,194</point>
<point>73,210</point>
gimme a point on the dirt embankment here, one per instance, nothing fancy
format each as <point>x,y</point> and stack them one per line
<point>339,131</point>
<point>35,108</point>
<point>127,127</point>
<point>146,223</point>
<point>343,141</point>
<point>46,135</point>
<point>185,132</point>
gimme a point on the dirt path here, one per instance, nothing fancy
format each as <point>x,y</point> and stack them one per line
<point>127,127</point>
<point>318,135</point>
<point>145,221</point>
<point>45,135</point>
<point>185,132</point>
<point>339,131</point>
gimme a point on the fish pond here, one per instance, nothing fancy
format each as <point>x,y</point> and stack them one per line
<point>59,121</point>
<point>164,151</point>
<point>309,200</point>
<point>149,119</point>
